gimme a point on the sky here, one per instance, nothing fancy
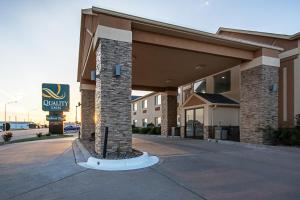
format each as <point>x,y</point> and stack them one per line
<point>39,39</point>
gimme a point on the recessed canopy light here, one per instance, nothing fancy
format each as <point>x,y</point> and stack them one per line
<point>223,77</point>
<point>199,67</point>
<point>168,81</point>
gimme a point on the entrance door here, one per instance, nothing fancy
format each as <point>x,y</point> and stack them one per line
<point>194,123</point>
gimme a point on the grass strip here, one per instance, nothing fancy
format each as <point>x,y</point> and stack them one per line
<point>44,137</point>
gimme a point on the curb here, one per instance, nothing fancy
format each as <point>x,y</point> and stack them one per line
<point>139,162</point>
<point>80,152</point>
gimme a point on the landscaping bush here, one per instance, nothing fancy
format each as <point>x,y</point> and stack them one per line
<point>155,131</point>
<point>150,129</point>
<point>282,136</point>
<point>39,134</point>
<point>48,134</point>
<point>7,136</point>
<point>135,130</point>
<point>145,130</point>
<point>150,125</point>
<point>298,121</point>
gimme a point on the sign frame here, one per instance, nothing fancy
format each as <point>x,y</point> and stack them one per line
<point>55,97</point>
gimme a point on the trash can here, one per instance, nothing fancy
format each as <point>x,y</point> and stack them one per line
<point>218,131</point>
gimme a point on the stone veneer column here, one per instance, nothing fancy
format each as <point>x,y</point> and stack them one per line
<point>87,112</point>
<point>259,103</point>
<point>169,112</point>
<point>113,94</point>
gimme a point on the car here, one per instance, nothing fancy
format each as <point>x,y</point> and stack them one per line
<point>71,128</point>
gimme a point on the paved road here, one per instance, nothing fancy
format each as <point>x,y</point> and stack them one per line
<point>189,169</point>
<point>21,134</point>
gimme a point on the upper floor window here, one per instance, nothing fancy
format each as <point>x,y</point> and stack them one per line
<point>134,107</point>
<point>222,82</point>
<point>200,86</point>
<point>157,100</point>
<point>145,104</point>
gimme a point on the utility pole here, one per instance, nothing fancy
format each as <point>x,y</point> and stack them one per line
<point>10,102</point>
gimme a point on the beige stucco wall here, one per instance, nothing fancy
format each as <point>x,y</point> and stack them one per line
<point>151,112</point>
<point>224,116</point>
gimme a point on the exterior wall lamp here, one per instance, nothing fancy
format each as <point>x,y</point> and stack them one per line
<point>117,70</point>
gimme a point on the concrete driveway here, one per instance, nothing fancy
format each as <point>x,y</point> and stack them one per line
<point>189,169</point>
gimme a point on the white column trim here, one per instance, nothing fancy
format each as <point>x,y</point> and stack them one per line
<point>112,34</point>
<point>87,87</point>
<point>262,60</point>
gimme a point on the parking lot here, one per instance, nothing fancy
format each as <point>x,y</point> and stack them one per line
<point>188,169</point>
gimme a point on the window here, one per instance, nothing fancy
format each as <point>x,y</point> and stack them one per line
<point>157,100</point>
<point>145,104</point>
<point>134,122</point>
<point>134,107</point>
<point>157,121</point>
<point>200,86</point>
<point>222,82</point>
<point>145,122</point>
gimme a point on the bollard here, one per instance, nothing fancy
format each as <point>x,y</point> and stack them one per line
<point>105,142</point>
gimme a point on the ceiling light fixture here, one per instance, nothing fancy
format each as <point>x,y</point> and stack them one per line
<point>199,67</point>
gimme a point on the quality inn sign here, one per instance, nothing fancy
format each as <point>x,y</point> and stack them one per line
<point>55,97</point>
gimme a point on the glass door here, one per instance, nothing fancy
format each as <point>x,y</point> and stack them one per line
<point>189,121</point>
<point>198,123</point>
<point>194,119</point>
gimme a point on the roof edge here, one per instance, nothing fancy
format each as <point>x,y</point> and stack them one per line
<point>259,33</point>
<point>182,29</point>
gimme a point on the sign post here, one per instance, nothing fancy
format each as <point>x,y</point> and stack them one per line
<point>56,100</point>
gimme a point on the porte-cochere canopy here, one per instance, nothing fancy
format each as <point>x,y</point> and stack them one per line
<point>157,56</point>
